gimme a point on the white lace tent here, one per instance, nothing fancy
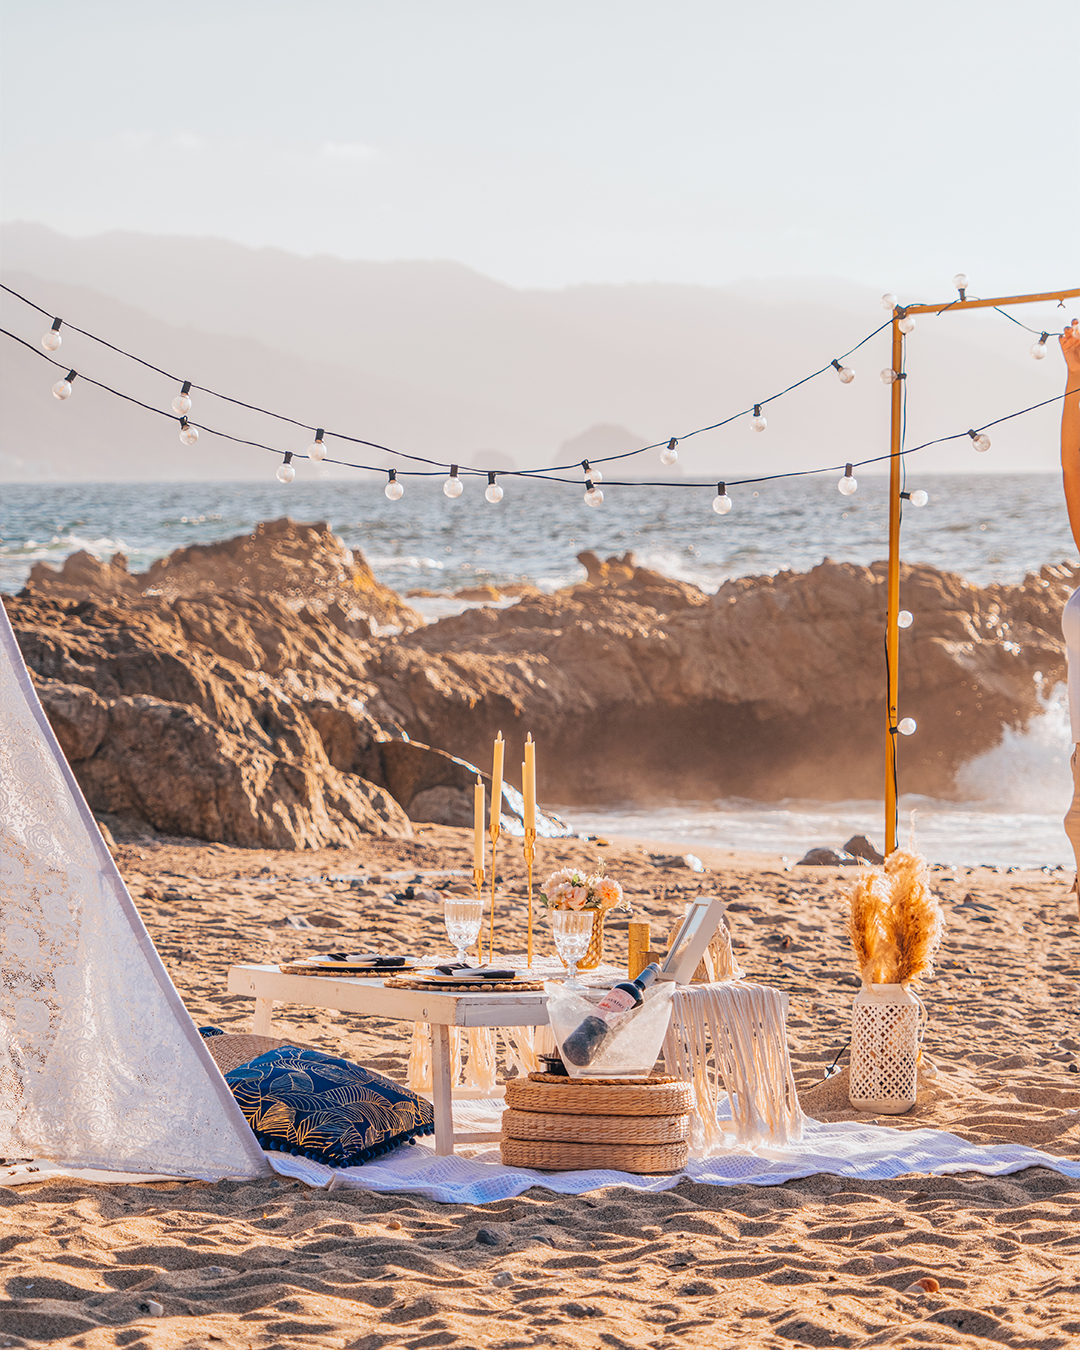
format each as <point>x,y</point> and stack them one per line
<point>101,1065</point>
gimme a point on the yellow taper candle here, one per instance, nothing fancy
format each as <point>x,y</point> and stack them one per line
<point>478,826</point>
<point>529,784</point>
<point>497,786</point>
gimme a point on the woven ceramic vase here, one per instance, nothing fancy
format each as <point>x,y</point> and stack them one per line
<point>595,953</point>
<point>884,1049</point>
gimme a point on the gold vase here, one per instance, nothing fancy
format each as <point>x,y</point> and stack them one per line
<point>595,953</point>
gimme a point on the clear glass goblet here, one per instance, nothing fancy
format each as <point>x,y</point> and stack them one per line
<point>572,929</point>
<point>463,920</point>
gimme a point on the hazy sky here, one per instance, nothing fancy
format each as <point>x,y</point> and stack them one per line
<point>574,140</point>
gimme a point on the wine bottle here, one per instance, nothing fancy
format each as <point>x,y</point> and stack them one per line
<point>584,1043</point>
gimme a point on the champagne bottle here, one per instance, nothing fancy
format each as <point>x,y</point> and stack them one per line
<point>583,1044</point>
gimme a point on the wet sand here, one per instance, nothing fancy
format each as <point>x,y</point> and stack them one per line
<point>823,1261</point>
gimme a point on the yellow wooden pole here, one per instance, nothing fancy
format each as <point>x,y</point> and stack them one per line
<point>892,610</point>
<point>950,305</point>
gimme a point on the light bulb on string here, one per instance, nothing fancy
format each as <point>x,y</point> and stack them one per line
<point>188,434</point>
<point>757,421</point>
<point>888,301</point>
<point>890,376</point>
<point>51,340</point>
<point>317,449</point>
<point>670,452</point>
<point>906,324</point>
<point>181,404</point>
<point>907,726</point>
<point>916,498</point>
<point>394,491</point>
<point>845,373</point>
<point>1038,349</point>
<point>848,483</point>
<point>593,495</point>
<point>590,472</point>
<point>905,619</point>
<point>285,471</point>
<point>453,487</point>
<point>62,388</point>
<point>979,440</point>
<point>493,492</point>
<point>960,281</point>
<point>722,503</point>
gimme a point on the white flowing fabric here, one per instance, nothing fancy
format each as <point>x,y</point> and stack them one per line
<point>100,1064</point>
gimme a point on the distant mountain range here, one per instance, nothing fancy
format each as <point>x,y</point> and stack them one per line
<point>436,360</point>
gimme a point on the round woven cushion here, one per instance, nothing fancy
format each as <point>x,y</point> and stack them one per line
<point>595,1129</point>
<point>230,1050</point>
<point>550,1156</point>
<point>576,1098</point>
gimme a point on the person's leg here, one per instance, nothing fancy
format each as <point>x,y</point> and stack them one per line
<point>1072,819</point>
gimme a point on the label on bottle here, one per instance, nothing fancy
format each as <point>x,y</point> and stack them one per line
<point>616,1001</point>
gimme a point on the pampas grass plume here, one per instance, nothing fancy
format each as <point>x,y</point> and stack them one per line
<point>868,902</point>
<point>914,921</point>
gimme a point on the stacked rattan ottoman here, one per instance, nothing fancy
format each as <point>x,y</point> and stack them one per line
<point>563,1124</point>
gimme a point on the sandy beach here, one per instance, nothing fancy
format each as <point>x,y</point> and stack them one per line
<point>822,1261</point>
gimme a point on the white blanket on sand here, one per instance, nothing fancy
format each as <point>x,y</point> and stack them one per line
<point>844,1149</point>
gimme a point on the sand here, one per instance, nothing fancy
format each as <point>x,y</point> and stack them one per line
<point>823,1261</point>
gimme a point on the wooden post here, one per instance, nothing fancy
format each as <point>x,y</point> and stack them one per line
<point>892,604</point>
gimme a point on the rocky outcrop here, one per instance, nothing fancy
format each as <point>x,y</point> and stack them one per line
<point>640,687</point>
<point>252,718</point>
<point>300,564</point>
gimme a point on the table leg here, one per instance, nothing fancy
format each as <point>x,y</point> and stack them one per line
<point>264,1012</point>
<point>441,1090</point>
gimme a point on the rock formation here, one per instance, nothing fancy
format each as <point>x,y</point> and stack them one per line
<point>273,718</point>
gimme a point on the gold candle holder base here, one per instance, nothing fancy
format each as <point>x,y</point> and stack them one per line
<point>478,882</point>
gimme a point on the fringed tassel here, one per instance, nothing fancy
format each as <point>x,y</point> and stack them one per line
<point>480,1070</point>
<point>419,1073</point>
<point>520,1047</point>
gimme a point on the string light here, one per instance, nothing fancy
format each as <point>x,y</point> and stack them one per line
<point>981,441</point>
<point>888,301</point>
<point>845,373</point>
<point>51,340</point>
<point>493,492</point>
<point>62,388</point>
<point>285,471</point>
<point>722,503</point>
<point>189,434</point>
<point>393,489</point>
<point>907,726</point>
<point>589,472</point>
<point>906,323</point>
<point>849,482</point>
<point>317,449</point>
<point>960,281</point>
<point>890,376</point>
<point>453,487</point>
<point>905,619</point>
<point>916,498</point>
<point>670,453</point>
<point>182,403</point>
<point>593,495</point>
<point>757,421</point>
<point>1038,349</point>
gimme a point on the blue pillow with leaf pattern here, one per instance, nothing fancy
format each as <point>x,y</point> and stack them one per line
<point>329,1109</point>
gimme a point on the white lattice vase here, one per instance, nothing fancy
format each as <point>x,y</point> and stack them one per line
<point>884,1049</point>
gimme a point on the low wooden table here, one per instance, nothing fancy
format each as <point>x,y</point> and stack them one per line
<point>367,997</point>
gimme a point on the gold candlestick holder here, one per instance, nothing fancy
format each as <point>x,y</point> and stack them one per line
<point>530,856</point>
<point>478,882</point>
<point>494,835</point>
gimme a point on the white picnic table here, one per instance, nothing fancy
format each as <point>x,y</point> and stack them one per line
<point>371,998</point>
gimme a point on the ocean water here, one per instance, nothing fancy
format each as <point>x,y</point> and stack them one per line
<point>985,527</point>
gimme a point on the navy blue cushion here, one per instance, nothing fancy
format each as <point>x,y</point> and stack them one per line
<point>321,1107</point>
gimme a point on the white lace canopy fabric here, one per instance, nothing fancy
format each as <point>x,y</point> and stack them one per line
<point>100,1064</point>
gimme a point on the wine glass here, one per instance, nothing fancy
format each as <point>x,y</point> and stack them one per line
<point>572,929</point>
<point>463,920</point>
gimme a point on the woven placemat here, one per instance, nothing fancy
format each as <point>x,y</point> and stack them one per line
<point>340,974</point>
<point>471,987</point>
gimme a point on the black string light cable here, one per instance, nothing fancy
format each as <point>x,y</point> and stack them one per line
<point>669,454</point>
<point>62,390</point>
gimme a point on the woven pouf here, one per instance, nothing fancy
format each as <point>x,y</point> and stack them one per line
<point>565,1124</point>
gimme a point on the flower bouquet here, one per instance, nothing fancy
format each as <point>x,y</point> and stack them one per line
<point>578,903</point>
